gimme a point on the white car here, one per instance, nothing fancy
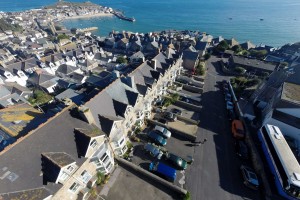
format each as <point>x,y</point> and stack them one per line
<point>163,131</point>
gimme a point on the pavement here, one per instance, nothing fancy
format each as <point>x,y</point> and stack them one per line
<point>215,172</point>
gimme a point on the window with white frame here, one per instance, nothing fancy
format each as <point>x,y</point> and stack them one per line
<point>94,143</point>
<point>63,176</point>
<point>74,187</point>
<point>85,176</point>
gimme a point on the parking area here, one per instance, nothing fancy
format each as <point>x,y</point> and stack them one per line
<point>131,186</point>
<point>179,145</point>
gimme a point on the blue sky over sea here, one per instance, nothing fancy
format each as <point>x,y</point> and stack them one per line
<point>231,18</point>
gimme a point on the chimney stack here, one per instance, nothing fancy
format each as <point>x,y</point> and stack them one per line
<point>153,64</point>
<point>86,114</point>
<point>168,52</point>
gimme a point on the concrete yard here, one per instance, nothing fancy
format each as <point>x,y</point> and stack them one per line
<point>131,186</point>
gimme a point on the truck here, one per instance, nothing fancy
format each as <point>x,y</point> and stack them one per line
<point>163,170</point>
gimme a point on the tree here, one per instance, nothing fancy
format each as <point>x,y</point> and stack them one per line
<point>62,36</point>
<point>222,46</point>
<point>237,48</point>
<point>121,60</point>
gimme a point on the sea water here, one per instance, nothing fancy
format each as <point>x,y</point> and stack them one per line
<point>271,22</point>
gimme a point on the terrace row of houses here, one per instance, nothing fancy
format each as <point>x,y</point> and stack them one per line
<point>61,158</point>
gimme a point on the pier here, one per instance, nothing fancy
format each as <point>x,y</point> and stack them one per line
<point>87,29</point>
<point>123,17</point>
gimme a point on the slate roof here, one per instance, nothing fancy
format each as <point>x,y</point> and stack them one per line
<point>295,77</point>
<point>53,162</point>
<point>54,136</point>
<point>190,55</point>
<point>238,60</point>
<point>40,77</point>
<point>66,69</point>
<point>34,194</point>
<point>201,46</point>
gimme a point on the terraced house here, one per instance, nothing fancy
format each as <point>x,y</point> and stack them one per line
<point>61,158</point>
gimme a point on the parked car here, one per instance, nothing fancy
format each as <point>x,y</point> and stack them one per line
<point>175,161</point>
<point>170,116</point>
<point>250,178</point>
<point>231,115</point>
<point>227,97</point>
<point>160,102</point>
<point>241,149</point>
<point>176,111</point>
<point>163,121</point>
<point>229,105</point>
<point>153,150</point>
<point>163,131</point>
<point>237,129</point>
<point>163,170</point>
<point>156,138</point>
<point>185,99</point>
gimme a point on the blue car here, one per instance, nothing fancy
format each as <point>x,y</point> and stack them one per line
<point>156,138</point>
<point>163,170</point>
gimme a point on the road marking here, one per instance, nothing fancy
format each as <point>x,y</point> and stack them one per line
<point>5,175</point>
<point>182,180</point>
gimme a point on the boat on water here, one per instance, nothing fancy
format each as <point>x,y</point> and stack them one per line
<point>123,17</point>
<point>261,19</point>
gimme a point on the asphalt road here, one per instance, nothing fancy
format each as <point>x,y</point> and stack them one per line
<point>215,174</point>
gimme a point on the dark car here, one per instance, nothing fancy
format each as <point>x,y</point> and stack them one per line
<point>153,150</point>
<point>163,121</point>
<point>231,115</point>
<point>170,116</point>
<point>241,149</point>
<point>185,99</point>
<point>156,138</point>
<point>176,161</point>
<point>176,111</point>
<point>250,178</point>
<point>227,96</point>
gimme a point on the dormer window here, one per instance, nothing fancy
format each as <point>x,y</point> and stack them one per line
<point>93,144</point>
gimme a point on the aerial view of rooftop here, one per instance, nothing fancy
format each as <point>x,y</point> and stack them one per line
<point>149,100</point>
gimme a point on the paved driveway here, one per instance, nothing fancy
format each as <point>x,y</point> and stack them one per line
<point>215,172</point>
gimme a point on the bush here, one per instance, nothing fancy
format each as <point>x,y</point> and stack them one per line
<point>252,82</point>
<point>121,60</point>
<point>207,56</point>
<point>39,97</point>
<point>200,70</point>
<point>100,178</point>
<point>258,53</point>
<point>187,196</point>
<point>239,70</point>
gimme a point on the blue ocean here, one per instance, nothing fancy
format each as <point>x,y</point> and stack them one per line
<point>271,22</point>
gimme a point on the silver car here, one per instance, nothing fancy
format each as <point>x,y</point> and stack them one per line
<point>163,131</point>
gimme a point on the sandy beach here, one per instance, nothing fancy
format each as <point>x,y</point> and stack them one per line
<point>87,16</point>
